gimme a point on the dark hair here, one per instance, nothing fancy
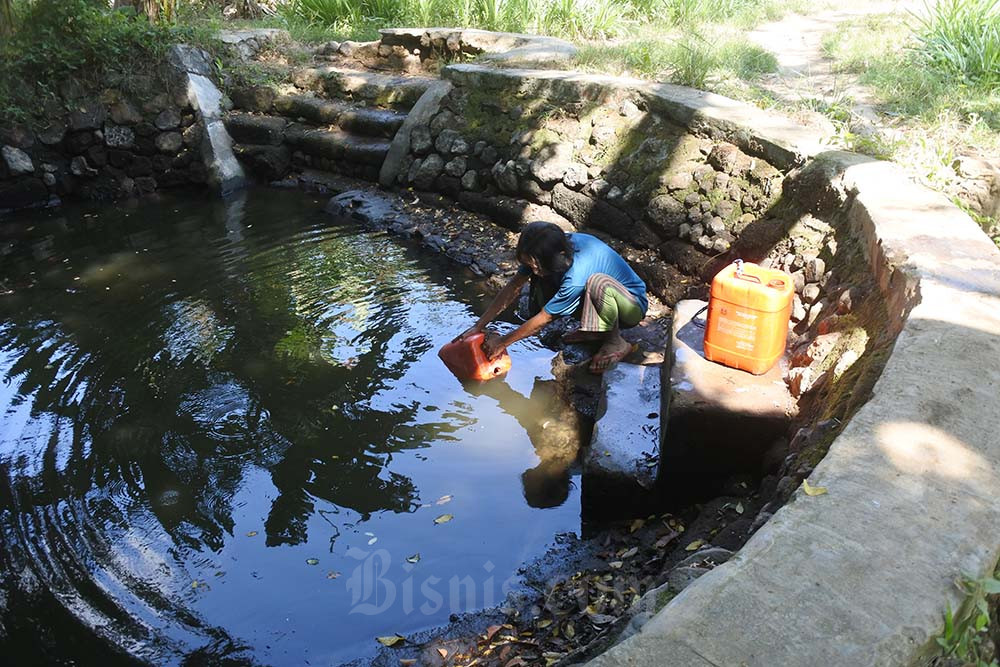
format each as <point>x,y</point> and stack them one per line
<point>548,245</point>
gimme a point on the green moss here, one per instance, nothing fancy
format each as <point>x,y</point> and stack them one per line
<point>663,598</point>
<point>544,137</point>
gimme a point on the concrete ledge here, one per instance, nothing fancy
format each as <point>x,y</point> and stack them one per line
<point>775,138</point>
<point>507,48</point>
<point>862,575</point>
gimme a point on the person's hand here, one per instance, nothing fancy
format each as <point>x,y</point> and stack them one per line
<point>471,331</point>
<point>493,346</point>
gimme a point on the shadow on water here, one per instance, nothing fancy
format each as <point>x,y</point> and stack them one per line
<point>203,400</point>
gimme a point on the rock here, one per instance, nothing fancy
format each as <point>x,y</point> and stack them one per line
<point>53,134</point>
<point>798,310</point>
<point>551,163</point>
<point>716,555</point>
<point>124,113</point>
<point>455,167</point>
<point>253,129</point>
<point>140,166</point>
<point>460,147</point>
<point>88,115</point>
<point>682,577</point>
<point>666,214</point>
<point>190,59</point>
<point>444,140</point>
<point>597,188</point>
<point>78,167</point>
<point>444,120</point>
<point>679,180</point>
<point>845,362</point>
<point>490,154</point>
<point>192,136</point>
<point>798,281</point>
<point>427,170</point>
<point>97,156</point>
<point>575,176</point>
<point>814,312</point>
<point>804,380</point>
<point>168,119</point>
<point>49,180</point>
<point>845,302</point>
<point>254,98</point>
<point>18,162</point>
<point>270,162</point>
<point>505,176</point>
<point>470,181</point>
<point>118,136</point>
<point>721,244</point>
<point>814,269</point>
<point>169,142</point>
<point>817,351</point>
<point>421,142</point>
<point>715,225</point>
<point>810,293</point>
<point>725,209</point>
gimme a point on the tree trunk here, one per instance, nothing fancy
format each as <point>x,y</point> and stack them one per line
<point>6,18</point>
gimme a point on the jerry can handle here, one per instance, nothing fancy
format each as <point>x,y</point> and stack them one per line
<point>745,276</point>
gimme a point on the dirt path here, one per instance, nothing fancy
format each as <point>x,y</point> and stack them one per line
<point>805,74</point>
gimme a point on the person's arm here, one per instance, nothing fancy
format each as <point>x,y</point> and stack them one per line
<point>494,347</point>
<point>500,302</point>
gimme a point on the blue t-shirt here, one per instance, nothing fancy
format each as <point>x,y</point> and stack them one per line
<point>591,255</point>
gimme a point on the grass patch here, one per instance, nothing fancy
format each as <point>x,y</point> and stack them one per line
<point>892,55</point>
<point>693,61</point>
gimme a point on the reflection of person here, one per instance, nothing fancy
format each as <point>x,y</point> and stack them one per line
<point>571,274</point>
<point>556,432</point>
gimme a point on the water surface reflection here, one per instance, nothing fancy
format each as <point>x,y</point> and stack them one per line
<point>225,430</point>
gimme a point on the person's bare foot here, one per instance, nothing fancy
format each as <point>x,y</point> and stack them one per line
<point>581,336</point>
<point>614,349</point>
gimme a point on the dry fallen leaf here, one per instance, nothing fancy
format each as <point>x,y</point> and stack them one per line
<point>443,499</point>
<point>630,552</point>
<point>443,652</point>
<point>415,558</point>
<point>391,640</point>
<point>444,518</point>
<point>636,525</point>
<point>694,546</point>
<point>406,662</point>
<point>812,490</point>
<point>615,565</point>
<point>312,561</point>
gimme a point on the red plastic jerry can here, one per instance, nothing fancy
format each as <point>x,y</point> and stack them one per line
<point>466,359</point>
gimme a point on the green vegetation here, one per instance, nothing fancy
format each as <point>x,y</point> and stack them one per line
<point>691,61</point>
<point>55,41</point>
<point>965,637</point>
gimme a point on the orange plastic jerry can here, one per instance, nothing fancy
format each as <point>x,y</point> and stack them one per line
<point>466,359</point>
<point>748,314</point>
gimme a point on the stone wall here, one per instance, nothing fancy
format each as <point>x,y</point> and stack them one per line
<point>102,144</point>
<point>594,158</point>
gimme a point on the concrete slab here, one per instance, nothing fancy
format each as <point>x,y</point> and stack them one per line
<point>718,419</point>
<point>619,468</point>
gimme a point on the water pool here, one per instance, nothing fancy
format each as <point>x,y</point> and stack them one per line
<point>226,434</point>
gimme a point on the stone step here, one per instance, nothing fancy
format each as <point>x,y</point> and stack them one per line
<point>371,88</point>
<point>336,144</point>
<point>620,467</point>
<point>349,117</point>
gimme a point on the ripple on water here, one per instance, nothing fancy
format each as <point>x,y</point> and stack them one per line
<point>230,391</point>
